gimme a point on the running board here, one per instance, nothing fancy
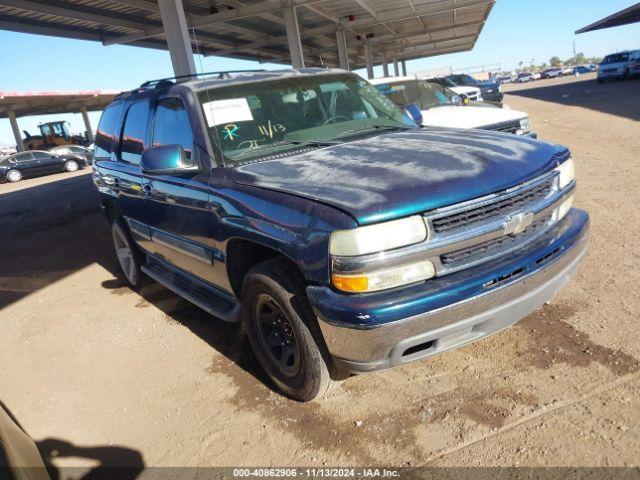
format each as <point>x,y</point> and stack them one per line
<point>197,292</point>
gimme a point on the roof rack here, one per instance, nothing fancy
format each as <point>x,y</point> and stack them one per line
<point>171,80</point>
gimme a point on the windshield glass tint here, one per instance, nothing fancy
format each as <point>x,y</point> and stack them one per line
<point>616,58</point>
<point>423,94</point>
<point>254,119</point>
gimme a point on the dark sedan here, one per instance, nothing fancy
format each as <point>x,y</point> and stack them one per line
<point>490,91</point>
<point>35,163</point>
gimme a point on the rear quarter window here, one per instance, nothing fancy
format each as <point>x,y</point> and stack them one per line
<point>106,133</point>
<point>134,132</point>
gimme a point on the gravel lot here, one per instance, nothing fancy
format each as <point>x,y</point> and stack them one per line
<point>97,373</point>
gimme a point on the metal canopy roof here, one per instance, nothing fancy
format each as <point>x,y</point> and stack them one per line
<point>40,103</point>
<point>255,29</point>
<point>623,17</point>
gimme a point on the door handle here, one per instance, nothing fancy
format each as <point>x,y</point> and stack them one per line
<point>116,183</point>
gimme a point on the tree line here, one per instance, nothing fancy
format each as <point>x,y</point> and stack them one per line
<point>579,59</point>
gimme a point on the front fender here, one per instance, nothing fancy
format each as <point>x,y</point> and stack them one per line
<point>295,227</point>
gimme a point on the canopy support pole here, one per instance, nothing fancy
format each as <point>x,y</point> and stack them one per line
<point>16,130</point>
<point>87,124</point>
<point>404,68</point>
<point>368,60</point>
<point>343,55</point>
<point>293,36</point>
<point>177,33</point>
<point>385,64</point>
<point>396,71</point>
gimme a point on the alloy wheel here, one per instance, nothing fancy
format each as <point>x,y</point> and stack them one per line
<point>14,176</point>
<point>71,166</point>
<point>124,254</point>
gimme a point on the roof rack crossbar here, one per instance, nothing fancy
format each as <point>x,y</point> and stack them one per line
<point>220,74</point>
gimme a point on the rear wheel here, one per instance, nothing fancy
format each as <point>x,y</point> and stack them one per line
<point>14,176</point>
<point>71,166</point>
<point>129,256</point>
<point>283,330</point>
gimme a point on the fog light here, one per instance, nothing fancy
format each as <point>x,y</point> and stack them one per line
<point>384,279</point>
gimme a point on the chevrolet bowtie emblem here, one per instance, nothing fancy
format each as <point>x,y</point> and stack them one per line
<point>518,223</point>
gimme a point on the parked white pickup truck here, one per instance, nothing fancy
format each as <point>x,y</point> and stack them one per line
<point>441,107</point>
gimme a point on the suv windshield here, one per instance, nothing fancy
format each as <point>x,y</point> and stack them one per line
<point>254,119</point>
<point>616,58</point>
<point>422,93</point>
<point>464,80</point>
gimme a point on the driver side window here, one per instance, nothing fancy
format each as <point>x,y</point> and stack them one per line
<point>172,126</point>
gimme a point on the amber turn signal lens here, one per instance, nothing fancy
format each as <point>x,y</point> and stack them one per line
<point>350,284</point>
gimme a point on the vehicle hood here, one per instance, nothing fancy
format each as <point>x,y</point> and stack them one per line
<point>398,174</point>
<point>455,116</point>
<point>487,85</point>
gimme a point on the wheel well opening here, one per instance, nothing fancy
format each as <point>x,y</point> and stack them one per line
<point>242,256</point>
<point>111,210</point>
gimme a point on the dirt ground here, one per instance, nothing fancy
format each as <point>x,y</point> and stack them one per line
<point>97,373</point>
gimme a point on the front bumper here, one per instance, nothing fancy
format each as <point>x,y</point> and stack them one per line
<point>378,337</point>
<point>493,97</point>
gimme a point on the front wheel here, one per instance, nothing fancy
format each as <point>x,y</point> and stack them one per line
<point>71,166</point>
<point>14,176</point>
<point>283,330</point>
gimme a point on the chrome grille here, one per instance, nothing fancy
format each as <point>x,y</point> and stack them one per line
<point>507,127</point>
<point>484,251</point>
<point>488,211</point>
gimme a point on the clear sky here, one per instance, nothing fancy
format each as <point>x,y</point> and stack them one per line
<point>517,30</point>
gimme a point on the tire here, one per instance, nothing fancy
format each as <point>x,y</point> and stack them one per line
<point>130,258</point>
<point>283,330</point>
<point>71,166</point>
<point>14,176</point>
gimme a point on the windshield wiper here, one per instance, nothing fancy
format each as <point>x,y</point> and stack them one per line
<point>258,152</point>
<point>372,126</point>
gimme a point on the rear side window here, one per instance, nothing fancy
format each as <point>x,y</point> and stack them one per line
<point>134,132</point>
<point>22,157</point>
<point>106,133</point>
<point>172,125</point>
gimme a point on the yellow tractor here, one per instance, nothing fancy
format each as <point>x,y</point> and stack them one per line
<point>52,134</point>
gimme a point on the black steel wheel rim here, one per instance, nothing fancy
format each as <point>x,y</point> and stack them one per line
<point>277,337</point>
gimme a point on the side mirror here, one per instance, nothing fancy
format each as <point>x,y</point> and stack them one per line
<point>167,160</point>
<point>414,112</point>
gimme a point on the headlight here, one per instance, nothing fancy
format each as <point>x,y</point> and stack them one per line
<point>379,238</point>
<point>567,173</point>
<point>525,125</point>
<point>384,279</point>
<point>376,238</point>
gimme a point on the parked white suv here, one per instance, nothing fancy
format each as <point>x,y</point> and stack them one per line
<point>441,107</point>
<point>619,65</point>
